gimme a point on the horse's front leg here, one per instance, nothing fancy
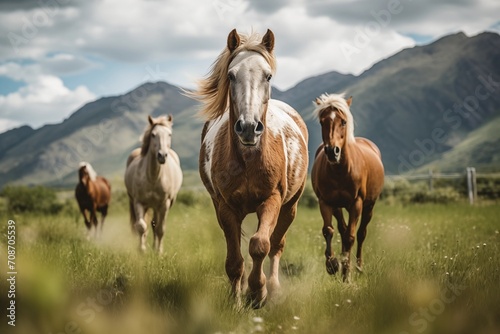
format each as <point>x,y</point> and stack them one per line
<point>140,225</point>
<point>230,222</point>
<point>259,248</point>
<point>86,220</point>
<point>348,237</point>
<point>332,264</point>
<point>93,221</point>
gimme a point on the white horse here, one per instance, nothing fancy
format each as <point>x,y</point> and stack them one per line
<point>153,178</point>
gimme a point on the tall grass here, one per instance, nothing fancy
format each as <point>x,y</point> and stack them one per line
<point>414,255</point>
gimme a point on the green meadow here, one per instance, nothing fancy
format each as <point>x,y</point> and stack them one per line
<point>429,268</point>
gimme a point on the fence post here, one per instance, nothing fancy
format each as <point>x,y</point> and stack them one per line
<point>471,184</point>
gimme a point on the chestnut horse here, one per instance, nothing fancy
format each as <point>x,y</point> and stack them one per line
<point>93,194</point>
<point>347,173</point>
<point>253,158</point>
<point>153,178</point>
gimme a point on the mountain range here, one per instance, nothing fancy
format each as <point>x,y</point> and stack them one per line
<point>432,106</point>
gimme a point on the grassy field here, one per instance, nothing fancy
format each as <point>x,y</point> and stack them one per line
<point>428,269</point>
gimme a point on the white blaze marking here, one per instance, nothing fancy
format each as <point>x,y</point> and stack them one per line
<point>209,142</point>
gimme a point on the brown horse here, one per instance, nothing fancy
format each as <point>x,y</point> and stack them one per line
<point>347,173</point>
<point>253,158</point>
<point>93,194</point>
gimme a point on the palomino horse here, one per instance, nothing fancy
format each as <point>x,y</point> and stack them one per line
<point>253,158</point>
<point>153,178</point>
<point>347,173</point>
<point>93,194</point>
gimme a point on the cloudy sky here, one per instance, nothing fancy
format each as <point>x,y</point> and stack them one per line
<point>56,55</point>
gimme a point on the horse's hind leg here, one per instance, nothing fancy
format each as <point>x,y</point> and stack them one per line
<point>133,216</point>
<point>278,240</point>
<point>349,237</point>
<point>159,228</point>
<point>366,216</point>
<point>104,213</point>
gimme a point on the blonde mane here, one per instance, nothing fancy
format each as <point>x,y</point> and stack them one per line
<point>338,102</point>
<point>90,170</point>
<point>213,91</point>
<point>146,137</point>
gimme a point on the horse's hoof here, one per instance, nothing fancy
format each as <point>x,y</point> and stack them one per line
<point>256,302</point>
<point>332,265</point>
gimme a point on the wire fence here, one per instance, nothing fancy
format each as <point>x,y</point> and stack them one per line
<point>468,184</point>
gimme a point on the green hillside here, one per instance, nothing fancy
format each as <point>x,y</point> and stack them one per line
<point>449,88</point>
<point>480,149</point>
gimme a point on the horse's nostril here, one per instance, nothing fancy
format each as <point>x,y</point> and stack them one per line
<point>238,128</point>
<point>259,128</point>
<point>336,150</point>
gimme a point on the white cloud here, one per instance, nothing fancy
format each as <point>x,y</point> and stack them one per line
<point>307,46</point>
<point>44,98</point>
<point>184,37</point>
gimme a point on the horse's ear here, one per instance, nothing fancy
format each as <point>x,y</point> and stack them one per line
<point>170,118</point>
<point>317,101</point>
<point>349,101</point>
<point>150,120</point>
<point>233,40</point>
<point>268,40</point>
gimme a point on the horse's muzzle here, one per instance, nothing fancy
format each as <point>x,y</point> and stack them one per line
<point>333,153</point>
<point>161,157</point>
<point>248,132</point>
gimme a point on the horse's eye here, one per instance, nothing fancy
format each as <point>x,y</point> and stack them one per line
<point>269,77</point>
<point>231,76</point>
<point>153,135</point>
<point>343,123</point>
